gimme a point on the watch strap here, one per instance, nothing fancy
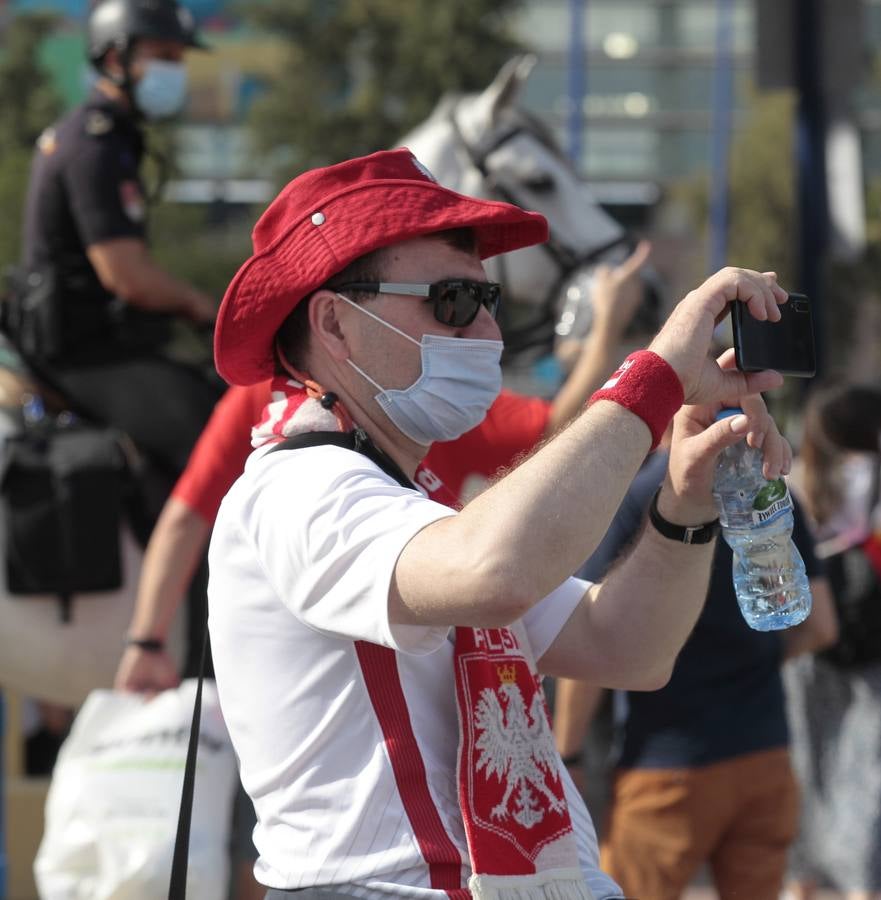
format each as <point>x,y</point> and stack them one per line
<point>685,534</point>
<point>151,645</point>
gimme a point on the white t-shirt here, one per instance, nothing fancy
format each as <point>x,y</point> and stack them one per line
<point>348,752</point>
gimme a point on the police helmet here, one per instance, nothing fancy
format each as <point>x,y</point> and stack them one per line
<point>117,23</point>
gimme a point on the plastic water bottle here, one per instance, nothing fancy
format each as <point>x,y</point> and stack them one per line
<point>756,517</point>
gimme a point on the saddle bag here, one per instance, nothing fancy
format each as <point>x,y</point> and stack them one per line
<point>63,491</point>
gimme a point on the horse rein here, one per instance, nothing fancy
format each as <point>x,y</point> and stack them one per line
<point>564,258</point>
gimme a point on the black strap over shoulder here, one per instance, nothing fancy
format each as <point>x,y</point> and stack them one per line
<point>177,886</point>
<point>359,441</point>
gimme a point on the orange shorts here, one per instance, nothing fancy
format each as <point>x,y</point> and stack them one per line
<point>739,816</point>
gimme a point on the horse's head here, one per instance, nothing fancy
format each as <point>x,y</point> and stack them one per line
<point>487,146</point>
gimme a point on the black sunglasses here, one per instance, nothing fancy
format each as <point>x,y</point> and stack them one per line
<point>456,302</point>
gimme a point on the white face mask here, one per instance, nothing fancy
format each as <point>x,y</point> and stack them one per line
<point>460,380</point>
<point>162,90</point>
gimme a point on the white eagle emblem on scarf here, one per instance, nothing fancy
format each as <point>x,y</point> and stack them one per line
<point>517,747</point>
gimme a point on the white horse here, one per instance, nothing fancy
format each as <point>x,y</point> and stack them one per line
<point>488,146</point>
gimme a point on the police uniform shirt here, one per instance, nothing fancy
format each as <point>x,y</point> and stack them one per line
<point>84,186</point>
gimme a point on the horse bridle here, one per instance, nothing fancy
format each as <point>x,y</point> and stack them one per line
<point>566,259</point>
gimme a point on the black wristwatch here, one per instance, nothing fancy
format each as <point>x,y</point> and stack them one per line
<point>685,534</point>
<point>151,645</point>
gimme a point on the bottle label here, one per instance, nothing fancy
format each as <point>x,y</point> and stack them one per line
<point>771,501</point>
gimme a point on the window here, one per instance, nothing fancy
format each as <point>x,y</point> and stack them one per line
<point>620,152</point>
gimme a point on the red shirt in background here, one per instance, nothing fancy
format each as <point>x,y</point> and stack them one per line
<point>513,426</point>
<point>220,453</point>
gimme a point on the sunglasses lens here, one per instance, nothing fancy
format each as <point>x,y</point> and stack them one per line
<point>446,306</point>
<point>457,304</point>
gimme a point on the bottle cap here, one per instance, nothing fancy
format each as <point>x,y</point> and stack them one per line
<point>728,412</point>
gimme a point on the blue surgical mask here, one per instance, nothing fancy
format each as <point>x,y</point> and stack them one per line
<point>162,89</point>
<point>460,380</point>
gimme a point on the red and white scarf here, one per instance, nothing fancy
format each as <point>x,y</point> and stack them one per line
<point>520,837</point>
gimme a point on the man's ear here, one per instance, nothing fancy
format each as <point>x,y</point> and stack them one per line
<point>111,66</point>
<point>325,327</point>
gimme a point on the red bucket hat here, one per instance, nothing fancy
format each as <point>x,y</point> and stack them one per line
<point>325,219</point>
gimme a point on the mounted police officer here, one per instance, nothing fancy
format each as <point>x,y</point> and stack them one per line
<point>93,308</point>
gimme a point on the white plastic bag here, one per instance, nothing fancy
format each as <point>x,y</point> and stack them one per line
<point>112,809</point>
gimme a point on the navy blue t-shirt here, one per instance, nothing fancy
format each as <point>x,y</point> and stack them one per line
<point>725,697</point>
<point>85,190</point>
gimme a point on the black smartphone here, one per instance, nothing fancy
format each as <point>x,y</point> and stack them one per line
<point>786,346</point>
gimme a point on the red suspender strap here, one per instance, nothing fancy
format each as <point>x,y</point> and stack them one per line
<point>380,670</point>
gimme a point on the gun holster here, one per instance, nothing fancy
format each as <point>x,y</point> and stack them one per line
<point>30,313</point>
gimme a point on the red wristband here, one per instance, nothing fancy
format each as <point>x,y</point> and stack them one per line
<point>648,386</point>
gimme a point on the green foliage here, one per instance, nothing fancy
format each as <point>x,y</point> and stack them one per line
<point>202,244</point>
<point>762,223</point>
<point>28,103</point>
<point>14,169</point>
<point>763,231</point>
<point>185,241</point>
<point>360,73</point>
